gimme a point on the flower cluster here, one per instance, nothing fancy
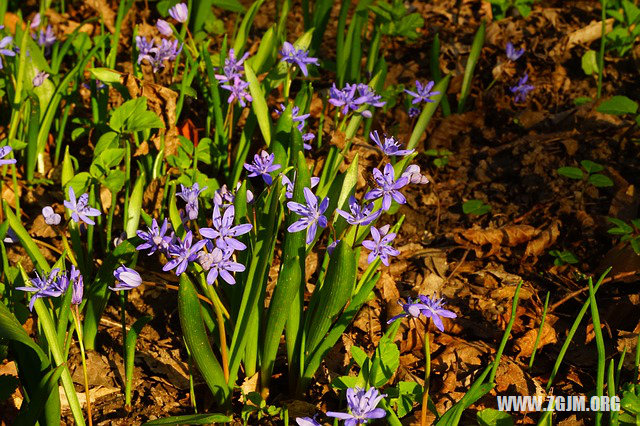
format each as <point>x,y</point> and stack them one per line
<point>300,57</point>
<point>429,307</point>
<point>55,285</point>
<point>233,69</point>
<point>353,97</point>
<point>300,120</point>
<point>389,187</point>
<point>156,52</point>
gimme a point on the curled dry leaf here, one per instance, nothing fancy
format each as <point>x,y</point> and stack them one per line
<point>507,236</point>
<point>543,241</point>
<point>525,344</point>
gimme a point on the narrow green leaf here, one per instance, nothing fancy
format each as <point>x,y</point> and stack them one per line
<point>245,26</point>
<point>259,104</point>
<point>190,419</point>
<point>472,61</point>
<point>48,385</point>
<point>130,350</point>
<point>135,204</point>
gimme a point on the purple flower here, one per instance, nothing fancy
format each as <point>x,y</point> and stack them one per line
<point>368,96</point>
<point>238,91</point>
<point>52,286</point>
<point>126,279</point>
<point>165,51</point>
<point>307,137</point>
<point>362,406</point>
<point>223,197</point>
<point>422,93</point>
<point>232,67</point>
<point>413,112</point>
<point>434,310</point>
<point>262,165</point>
<point>289,184</point>
<point>513,53</point>
<point>349,100</point>
<point>223,230</point>
<point>390,146</point>
<point>311,214</point>
<point>300,119</point>
<point>99,85</point>
<point>146,49</point>
<point>521,89</point>
<point>299,57</point>
<point>4,151</point>
<point>77,282</point>
<point>389,187</point>
<point>35,23</point>
<point>46,38</point>
<point>40,78</point>
<point>6,41</point>
<point>360,215</point>
<point>379,246</point>
<point>413,174</point>
<point>50,217</point>
<point>331,247</point>
<point>164,28</point>
<point>219,263</point>
<point>183,252</point>
<point>307,421</point>
<point>179,12</point>
<point>190,196</point>
<point>80,209</point>
<point>411,309</point>
<point>155,239</point>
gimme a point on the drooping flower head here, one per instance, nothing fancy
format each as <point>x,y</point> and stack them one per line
<point>412,173</point>
<point>50,216</point>
<point>360,215</point>
<point>4,151</point>
<point>126,279</point>
<point>164,28</point>
<point>53,285</point>
<point>300,57</point>
<point>362,406</point>
<point>380,244</point>
<point>223,231</point>
<point>155,238</point>
<point>512,53</point>
<point>35,22</point>
<point>219,263</point>
<point>77,282</point>
<point>312,214</point>
<point>262,166</point>
<point>80,208</point>
<point>413,112</point>
<point>434,310</point>
<point>190,196</point>
<point>179,12</point>
<point>422,93</point>
<point>183,252</point>
<point>390,146</point>
<point>521,89</point>
<point>389,187</point>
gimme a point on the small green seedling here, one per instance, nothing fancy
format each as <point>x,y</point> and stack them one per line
<point>628,232</point>
<point>626,29</point>
<point>563,257</point>
<point>592,176</point>
<point>475,207</point>
<point>441,156</point>
<point>502,7</point>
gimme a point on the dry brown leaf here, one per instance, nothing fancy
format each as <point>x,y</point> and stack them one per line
<point>509,236</point>
<point>105,11</point>
<point>543,241</point>
<point>337,139</point>
<point>39,228</point>
<point>525,344</point>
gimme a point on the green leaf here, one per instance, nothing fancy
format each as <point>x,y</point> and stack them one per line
<point>359,356</point>
<point>135,204</point>
<point>48,384</point>
<point>618,105</point>
<point>474,56</point>
<point>114,181</point>
<point>106,75</point>
<point>493,417</point>
<point>259,104</point>
<point>197,341</point>
<point>79,183</point>
<point>570,172</point>
<point>389,362</point>
<point>230,5</point>
<point>130,350</point>
<point>11,329</point>
<point>589,62</point>
<point>245,26</point>
<point>144,121</point>
<point>591,167</point>
<point>475,207</point>
<point>635,244</point>
<point>600,181</point>
<point>582,100</point>
<point>190,419</point>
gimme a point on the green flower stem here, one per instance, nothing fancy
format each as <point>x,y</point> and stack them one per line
<point>427,376</point>
<point>123,320</point>
<point>76,317</point>
<point>215,301</point>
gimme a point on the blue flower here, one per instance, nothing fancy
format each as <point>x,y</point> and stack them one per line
<point>360,215</point>
<point>311,215</point>
<point>513,53</point>
<point>126,279</point>
<point>390,146</point>
<point>183,252</point>
<point>50,217</point>
<point>299,57</point>
<point>413,112</point>
<point>219,263</point>
<point>190,196</point>
<point>412,173</point>
<point>46,38</point>
<point>4,151</point>
<point>164,28</point>
<point>179,12</point>
<point>422,93</point>
<point>410,309</point>
<point>52,286</point>
<point>379,246</point>
<point>362,406</point>
<point>6,41</point>
<point>39,79</point>
<point>80,208</point>
<point>434,310</point>
<point>223,230</point>
<point>238,91</point>
<point>307,421</point>
<point>521,89</point>
<point>262,166</point>
<point>232,67</point>
<point>155,238</point>
<point>289,184</point>
<point>389,187</point>
<point>77,282</point>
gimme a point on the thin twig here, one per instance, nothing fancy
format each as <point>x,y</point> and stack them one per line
<point>585,289</point>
